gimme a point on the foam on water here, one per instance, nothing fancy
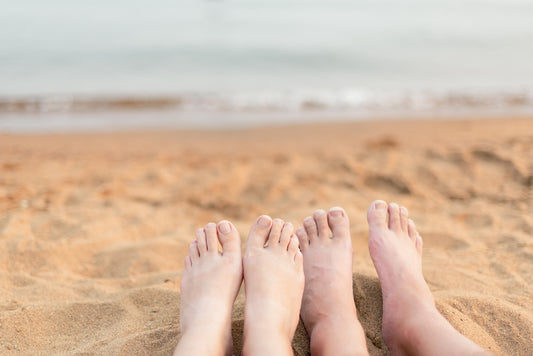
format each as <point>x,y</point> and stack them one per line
<point>296,57</point>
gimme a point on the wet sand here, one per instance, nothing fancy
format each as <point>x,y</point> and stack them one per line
<point>94,228</point>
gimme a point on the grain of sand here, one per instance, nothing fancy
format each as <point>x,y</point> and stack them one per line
<point>94,228</point>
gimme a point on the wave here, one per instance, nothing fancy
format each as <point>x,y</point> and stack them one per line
<point>297,101</point>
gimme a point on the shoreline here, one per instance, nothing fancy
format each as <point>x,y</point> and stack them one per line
<point>106,128</point>
<point>172,120</point>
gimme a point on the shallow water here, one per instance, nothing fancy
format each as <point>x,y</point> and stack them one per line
<point>264,57</point>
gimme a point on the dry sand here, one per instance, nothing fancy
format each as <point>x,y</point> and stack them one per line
<point>94,228</point>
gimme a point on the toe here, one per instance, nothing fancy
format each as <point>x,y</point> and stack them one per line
<point>299,260</point>
<point>310,229</point>
<point>187,263</point>
<point>212,238</point>
<point>293,246</point>
<point>377,215</point>
<point>302,238</point>
<point>201,241</point>
<point>275,232</point>
<point>404,218</point>
<point>321,219</point>
<point>228,236</point>
<point>259,231</point>
<point>394,217</point>
<point>419,244</point>
<point>338,223</point>
<point>411,229</point>
<point>286,233</point>
<point>193,250</point>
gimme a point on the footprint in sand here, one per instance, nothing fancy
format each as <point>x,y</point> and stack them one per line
<point>385,183</point>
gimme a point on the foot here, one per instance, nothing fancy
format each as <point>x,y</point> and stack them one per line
<point>209,286</point>
<point>411,323</point>
<point>274,282</point>
<point>328,308</point>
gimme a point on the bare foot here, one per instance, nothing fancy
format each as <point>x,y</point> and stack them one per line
<point>209,286</point>
<point>411,323</point>
<point>274,282</point>
<point>328,308</point>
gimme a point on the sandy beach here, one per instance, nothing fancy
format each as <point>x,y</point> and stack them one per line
<point>94,228</point>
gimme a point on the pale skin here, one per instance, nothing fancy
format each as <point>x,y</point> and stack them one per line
<point>273,269</point>
<point>274,284</point>
<point>328,308</point>
<point>411,323</point>
<point>209,286</point>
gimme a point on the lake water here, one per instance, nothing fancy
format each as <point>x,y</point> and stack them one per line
<point>192,63</point>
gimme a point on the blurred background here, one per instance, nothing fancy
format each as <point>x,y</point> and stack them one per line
<point>94,227</point>
<point>116,64</point>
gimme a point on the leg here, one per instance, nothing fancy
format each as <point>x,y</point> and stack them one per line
<point>411,323</point>
<point>328,308</point>
<point>209,286</point>
<point>274,282</point>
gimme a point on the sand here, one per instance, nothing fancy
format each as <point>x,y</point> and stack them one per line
<point>94,228</point>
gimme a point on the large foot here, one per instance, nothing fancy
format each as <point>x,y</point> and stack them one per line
<point>209,286</point>
<point>411,323</point>
<point>274,282</point>
<point>328,308</point>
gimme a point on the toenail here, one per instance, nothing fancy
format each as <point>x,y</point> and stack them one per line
<point>379,205</point>
<point>336,211</point>
<point>263,221</point>
<point>224,227</point>
<point>308,219</point>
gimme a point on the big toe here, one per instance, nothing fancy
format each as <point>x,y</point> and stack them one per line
<point>377,215</point>
<point>338,223</point>
<point>259,231</point>
<point>229,238</point>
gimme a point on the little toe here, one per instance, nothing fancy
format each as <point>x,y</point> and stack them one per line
<point>394,217</point>
<point>259,231</point>
<point>377,215</point>
<point>193,251</point>
<point>321,219</point>
<point>302,238</point>
<point>404,218</point>
<point>411,227</point>
<point>310,229</point>
<point>275,232</point>
<point>212,238</point>
<point>201,241</point>
<point>338,223</point>
<point>228,237</point>
<point>286,233</point>
<point>292,248</point>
